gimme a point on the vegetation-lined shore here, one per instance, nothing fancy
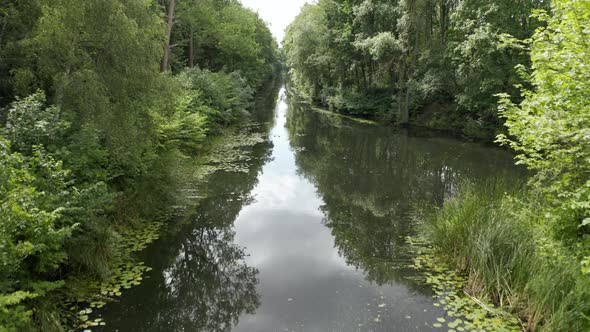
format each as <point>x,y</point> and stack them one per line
<point>492,235</point>
<point>515,72</point>
<point>430,63</point>
<point>107,107</point>
<point>100,102</point>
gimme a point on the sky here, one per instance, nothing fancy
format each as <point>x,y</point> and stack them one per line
<point>278,13</point>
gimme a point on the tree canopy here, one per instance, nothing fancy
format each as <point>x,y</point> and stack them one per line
<point>434,62</point>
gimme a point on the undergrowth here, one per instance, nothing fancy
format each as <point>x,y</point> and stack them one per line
<point>492,234</point>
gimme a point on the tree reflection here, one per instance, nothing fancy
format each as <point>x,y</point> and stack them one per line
<point>372,177</point>
<point>200,280</point>
<point>209,285</point>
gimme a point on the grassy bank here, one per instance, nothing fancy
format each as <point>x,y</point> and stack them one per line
<point>492,234</point>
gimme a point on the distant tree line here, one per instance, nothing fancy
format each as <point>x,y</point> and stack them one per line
<point>432,62</point>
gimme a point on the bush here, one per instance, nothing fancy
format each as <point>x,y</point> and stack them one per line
<point>30,123</point>
<point>375,103</point>
<point>46,213</point>
<point>32,231</point>
<point>222,97</point>
<point>549,128</point>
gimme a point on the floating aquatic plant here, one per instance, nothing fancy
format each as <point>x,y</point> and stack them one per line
<point>233,152</point>
<point>124,275</point>
<point>465,313</point>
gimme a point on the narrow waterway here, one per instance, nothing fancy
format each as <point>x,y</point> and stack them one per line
<point>311,237</point>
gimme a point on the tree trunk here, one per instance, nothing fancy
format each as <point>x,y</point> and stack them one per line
<point>170,23</point>
<point>3,29</point>
<point>444,12</point>
<point>406,115</point>
<point>371,70</point>
<point>357,76</point>
<point>400,90</point>
<point>191,49</point>
<point>364,71</point>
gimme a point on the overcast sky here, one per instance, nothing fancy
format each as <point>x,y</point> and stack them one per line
<point>278,13</point>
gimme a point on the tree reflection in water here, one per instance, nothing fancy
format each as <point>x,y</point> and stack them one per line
<point>372,178</point>
<point>200,280</point>
<point>209,284</point>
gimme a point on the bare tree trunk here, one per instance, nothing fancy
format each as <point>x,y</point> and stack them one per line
<point>406,115</point>
<point>191,49</point>
<point>356,76</point>
<point>364,71</point>
<point>371,70</point>
<point>3,30</point>
<point>444,12</point>
<point>400,90</point>
<point>170,23</point>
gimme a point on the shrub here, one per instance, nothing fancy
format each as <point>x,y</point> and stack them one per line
<point>32,231</point>
<point>30,123</point>
<point>222,97</point>
<point>374,103</point>
<point>549,129</point>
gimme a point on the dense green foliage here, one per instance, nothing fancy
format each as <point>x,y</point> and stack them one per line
<point>99,99</point>
<point>222,35</point>
<point>550,128</point>
<point>515,247</point>
<point>430,62</point>
<point>91,122</point>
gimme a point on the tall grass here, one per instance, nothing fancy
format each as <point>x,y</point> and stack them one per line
<point>491,232</point>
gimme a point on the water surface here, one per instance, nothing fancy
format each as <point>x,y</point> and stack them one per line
<point>311,238</point>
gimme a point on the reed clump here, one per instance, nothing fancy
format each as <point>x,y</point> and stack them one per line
<point>492,233</point>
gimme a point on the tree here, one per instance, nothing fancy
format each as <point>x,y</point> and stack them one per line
<point>169,26</point>
<point>306,47</point>
<point>17,19</point>
<point>104,81</point>
<point>394,59</point>
<point>549,129</point>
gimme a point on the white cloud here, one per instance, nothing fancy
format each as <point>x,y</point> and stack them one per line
<point>278,13</point>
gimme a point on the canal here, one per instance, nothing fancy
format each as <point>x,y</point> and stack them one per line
<point>308,233</point>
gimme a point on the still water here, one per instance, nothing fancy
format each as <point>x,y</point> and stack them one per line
<point>311,237</point>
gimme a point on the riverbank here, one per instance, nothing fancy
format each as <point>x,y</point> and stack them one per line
<point>133,217</point>
<point>493,260</point>
<point>191,177</point>
<point>223,152</point>
<point>492,238</point>
<point>440,117</point>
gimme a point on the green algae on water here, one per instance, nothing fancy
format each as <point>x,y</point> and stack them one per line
<point>124,275</point>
